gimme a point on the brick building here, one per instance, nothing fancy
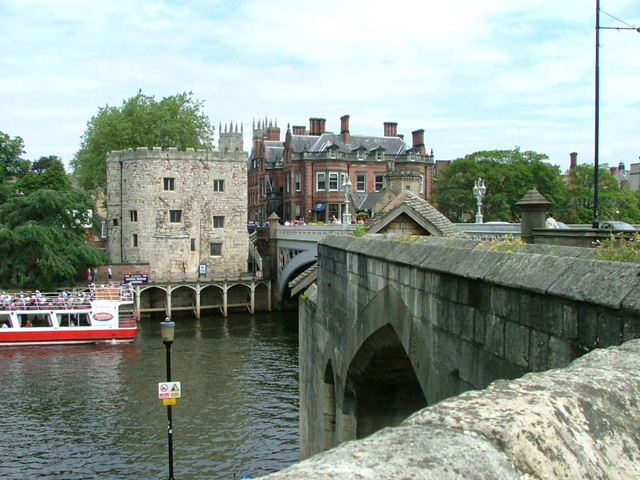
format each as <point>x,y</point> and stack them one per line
<point>303,176</point>
<point>180,210</point>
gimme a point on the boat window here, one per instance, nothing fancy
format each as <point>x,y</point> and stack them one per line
<point>5,320</point>
<point>68,319</point>
<point>35,320</point>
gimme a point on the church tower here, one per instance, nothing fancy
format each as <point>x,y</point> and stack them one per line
<point>230,140</point>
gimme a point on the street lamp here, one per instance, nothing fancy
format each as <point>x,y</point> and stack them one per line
<point>479,190</point>
<point>596,160</point>
<point>346,216</point>
<point>167,329</point>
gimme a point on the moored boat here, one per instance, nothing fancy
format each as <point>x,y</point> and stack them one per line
<point>103,314</point>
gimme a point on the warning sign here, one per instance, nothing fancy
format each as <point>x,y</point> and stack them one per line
<point>169,390</point>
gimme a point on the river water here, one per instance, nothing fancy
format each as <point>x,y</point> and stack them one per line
<point>82,412</point>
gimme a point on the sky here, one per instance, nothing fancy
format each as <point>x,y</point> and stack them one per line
<point>475,75</point>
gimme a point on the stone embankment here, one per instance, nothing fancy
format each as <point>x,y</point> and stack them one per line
<point>578,422</point>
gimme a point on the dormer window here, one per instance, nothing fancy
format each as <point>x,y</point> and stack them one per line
<point>360,155</point>
<point>379,155</point>
<point>332,153</point>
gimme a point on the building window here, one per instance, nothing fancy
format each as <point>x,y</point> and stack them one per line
<point>134,240</point>
<point>333,181</point>
<point>361,182</point>
<point>175,216</point>
<point>321,185</point>
<point>193,244</point>
<point>133,215</point>
<point>287,183</point>
<point>215,249</point>
<point>218,185</point>
<point>379,181</point>
<point>298,181</point>
<point>169,183</point>
<point>218,222</point>
<point>421,183</point>
<point>115,222</point>
<point>332,153</point>
<point>379,155</point>
<point>360,154</point>
<point>298,210</point>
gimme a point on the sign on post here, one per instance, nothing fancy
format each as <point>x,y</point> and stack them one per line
<point>169,390</point>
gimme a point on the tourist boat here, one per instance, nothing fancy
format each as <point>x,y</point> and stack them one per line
<point>102,314</point>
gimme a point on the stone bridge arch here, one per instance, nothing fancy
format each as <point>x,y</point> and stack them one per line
<point>292,259</point>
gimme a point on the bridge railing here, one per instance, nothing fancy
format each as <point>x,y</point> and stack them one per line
<point>311,232</point>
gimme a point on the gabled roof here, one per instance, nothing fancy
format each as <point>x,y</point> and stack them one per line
<point>420,211</point>
<point>318,144</point>
<point>366,201</point>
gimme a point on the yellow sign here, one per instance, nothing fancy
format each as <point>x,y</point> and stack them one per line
<point>169,401</point>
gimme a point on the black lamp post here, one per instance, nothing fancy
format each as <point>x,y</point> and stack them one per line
<point>167,328</point>
<point>596,160</point>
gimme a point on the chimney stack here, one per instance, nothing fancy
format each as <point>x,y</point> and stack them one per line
<point>299,130</point>
<point>316,126</point>
<point>390,129</point>
<point>574,160</point>
<point>418,141</point>
<point>344,129</point>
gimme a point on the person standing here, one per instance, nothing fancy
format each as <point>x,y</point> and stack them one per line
<point>109,273</point>
<point>551,222</point>
<point>95,274</point>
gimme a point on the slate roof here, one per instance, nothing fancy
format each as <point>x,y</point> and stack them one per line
<point>421,211</point>
<point>366,201</point>
<point>319,144</point>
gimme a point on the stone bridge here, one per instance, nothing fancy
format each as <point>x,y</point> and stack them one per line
<point>392,327</point>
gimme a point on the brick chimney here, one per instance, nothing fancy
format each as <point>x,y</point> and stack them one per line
<point>418,141</point>
<point>344,129</point>
<point>299,130</point>
<point>316,126</point>
<point>390,129</point>
<point>574,160</point>
<point>273,133</point>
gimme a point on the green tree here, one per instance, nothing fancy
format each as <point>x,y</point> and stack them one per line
<point>49,175</point>
<point>12,164</point>
<point>508,175</point>
<point>141,121</point>
<point>614,203</point>
<point>42,239</point>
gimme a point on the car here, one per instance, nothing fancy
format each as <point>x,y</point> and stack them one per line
<point>617,225</point>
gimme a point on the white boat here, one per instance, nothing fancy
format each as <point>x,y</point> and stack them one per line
<point>101,314</point>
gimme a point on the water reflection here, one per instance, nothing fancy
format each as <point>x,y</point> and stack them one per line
<point>81,412</point>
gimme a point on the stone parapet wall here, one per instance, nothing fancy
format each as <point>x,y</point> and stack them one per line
<point>575,422</point>
<point>464,316</point>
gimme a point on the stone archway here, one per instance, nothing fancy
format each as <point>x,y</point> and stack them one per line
<point>382,384</point>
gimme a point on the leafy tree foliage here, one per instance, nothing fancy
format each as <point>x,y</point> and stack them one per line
<point>11,162</point>
<point>508,176</point>
<point>42,238</point>
<point>49,175</point>
<point>614,203</point>
<point>141,121</point>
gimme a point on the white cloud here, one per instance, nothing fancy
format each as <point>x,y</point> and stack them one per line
<point>475,75</point>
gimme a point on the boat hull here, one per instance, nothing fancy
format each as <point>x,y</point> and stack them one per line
<point>76,335</point>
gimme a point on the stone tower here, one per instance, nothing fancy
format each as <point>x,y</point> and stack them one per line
<point>230,140</point>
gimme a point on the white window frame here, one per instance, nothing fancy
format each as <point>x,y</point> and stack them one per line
<point>334,177</point>
<point>298,181</point>
<point>321,178</point>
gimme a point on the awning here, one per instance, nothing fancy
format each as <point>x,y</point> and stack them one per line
<point>319,206</point>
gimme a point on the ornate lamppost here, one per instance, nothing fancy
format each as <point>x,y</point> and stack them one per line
<point>167,329</point>
<point>479,190</point>
<point>346,216</point>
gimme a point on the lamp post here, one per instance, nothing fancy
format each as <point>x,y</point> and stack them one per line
<point>346,216</point>
<point>167,329</point>
<point>479,190</point>
<point>596,147</point>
